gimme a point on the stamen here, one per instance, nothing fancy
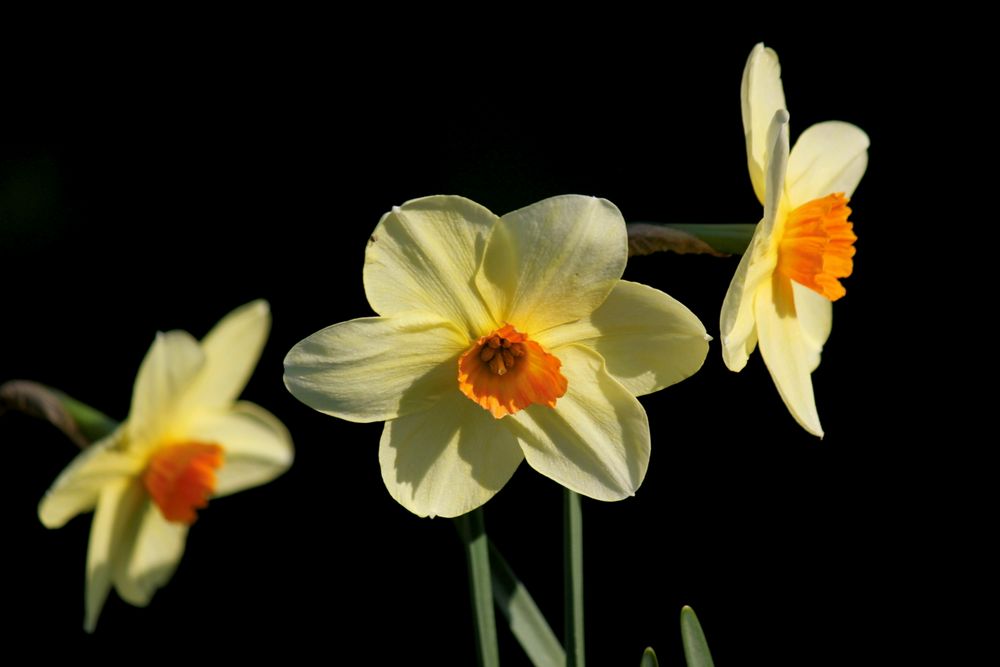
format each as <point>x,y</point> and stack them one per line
<point>505,372</point>
<point>500,353</point>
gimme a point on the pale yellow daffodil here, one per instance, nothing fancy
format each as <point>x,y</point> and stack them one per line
<point>781,294</point>
<point>186,439</point>
<point>500,339</point>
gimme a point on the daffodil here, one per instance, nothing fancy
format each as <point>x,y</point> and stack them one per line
<point>781,295</point>
<point>500,339</point>
<point>186,440</point>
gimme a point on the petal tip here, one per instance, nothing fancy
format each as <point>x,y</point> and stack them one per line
<point>46,518</point>
<point>261,306</point>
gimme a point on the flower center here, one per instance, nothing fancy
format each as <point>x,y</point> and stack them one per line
<point>818,245</point>
<point>180,478</point>
<point>505,372</point>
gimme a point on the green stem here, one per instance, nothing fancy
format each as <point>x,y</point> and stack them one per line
<point>472,529</point>
<point>573,578</point>
<point>93,423</point>
<point>731,238</point>
<point>81,423</point>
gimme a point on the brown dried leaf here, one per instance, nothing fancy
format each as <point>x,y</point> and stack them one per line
<point>39,401</point>
<point>644,239</point>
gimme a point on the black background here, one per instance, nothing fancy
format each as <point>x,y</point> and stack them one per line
<point>160,180</point>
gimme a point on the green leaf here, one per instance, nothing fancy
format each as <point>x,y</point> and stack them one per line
<point>649,659</point>
<point>526,621</point>
<point>696,652</point>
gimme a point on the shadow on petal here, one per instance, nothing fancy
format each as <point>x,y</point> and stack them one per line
<point>449,459</point>
<point>596,440</point>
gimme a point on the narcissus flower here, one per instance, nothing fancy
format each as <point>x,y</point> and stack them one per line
<point>781,294</point>
<point>500,339</point>
<point>185,440</point>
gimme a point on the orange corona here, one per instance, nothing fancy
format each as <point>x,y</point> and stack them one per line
<point>181,478</point>
<point>505,372</point>
<point>818,245</point>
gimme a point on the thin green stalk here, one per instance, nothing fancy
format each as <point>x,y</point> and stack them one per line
<point>93,423</point>
<point>472,529</point>
<point>732,238</point>
<point>81,423</point>
<point>573,578</point>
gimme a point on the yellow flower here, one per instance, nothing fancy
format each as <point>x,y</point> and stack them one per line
<point>781,294</point>
<point>500,339</point>
<point>185,440</point>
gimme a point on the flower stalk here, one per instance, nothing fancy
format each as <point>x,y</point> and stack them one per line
<point>79,422</point>
<point>573,578</point>
<point>717,240</point>
<point>472,530</point>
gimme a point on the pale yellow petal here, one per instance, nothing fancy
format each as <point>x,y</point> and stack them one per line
<point>112,535</point>
<point>447,460</point>
<point>376,368</point>
<point>553,262</point>
<point>829,157</point>
<point>156,551</point>
<point>777,168</point>
<point>596,439</point>
<point>232,349</point>
<point>78,487</point>
<point>761,95</point>
<point>648,339</point>
<point>423,256</point>
<point>257,446</point>
<point>786,351</point>
<point>737,326</point>
<point>815,315</point>
<point>169,369</point>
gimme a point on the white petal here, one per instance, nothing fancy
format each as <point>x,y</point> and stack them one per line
<point>231,350</point>
<point>815,315</point>
<point>829,157</point>
<point>737,326</point>
<point>777,168</point>
<point>156,551</point>
<point>169,369</point>
<point>376,368</point>
<point>78,487</point>
<point>257,446</point>
<point>596,440</point>
<point>761,95</point>
<point>111,538</point>
<point>736,323</point>
<point>553,262</point>
<point>648,339</point>
<point>423,256</point>
<point>786,351</point>
<point>448,460</point>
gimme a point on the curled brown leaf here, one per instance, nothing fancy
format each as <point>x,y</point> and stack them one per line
<point>39,401</point>
<point>644,239</point>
